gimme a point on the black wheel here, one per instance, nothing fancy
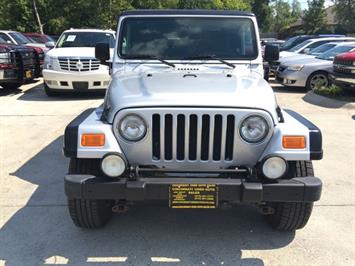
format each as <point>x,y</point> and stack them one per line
<point>11,86</point>
<point>49,92</point>
<point>318,79</point>
<point>88,213</point>
<point>290,216</point>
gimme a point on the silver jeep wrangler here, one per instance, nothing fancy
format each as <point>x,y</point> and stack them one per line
<point>188,119</point>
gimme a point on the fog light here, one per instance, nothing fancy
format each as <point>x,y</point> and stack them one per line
<point>113,165</point>
<point>274,167</point>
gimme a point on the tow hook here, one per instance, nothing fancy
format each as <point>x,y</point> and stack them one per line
<point>120,206</point>
<point>266,210</point>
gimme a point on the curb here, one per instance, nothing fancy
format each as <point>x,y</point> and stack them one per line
<point>326,102</point>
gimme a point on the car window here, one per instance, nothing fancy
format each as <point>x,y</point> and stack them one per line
<point>5,38</point>
<point>181,37</point>
<point>329,55</point>
<point>19,38</point>
<point>300,45</point>
<point>85,39</point>
<point>322,48</point>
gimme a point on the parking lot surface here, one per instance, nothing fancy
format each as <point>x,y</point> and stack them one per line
<point>35,227</point>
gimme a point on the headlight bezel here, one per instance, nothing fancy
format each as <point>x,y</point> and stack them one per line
<point>121,133</point>
<point>260,139</point>
<point>295,67</point>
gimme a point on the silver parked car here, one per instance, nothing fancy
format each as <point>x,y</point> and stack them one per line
<point>311,72</point>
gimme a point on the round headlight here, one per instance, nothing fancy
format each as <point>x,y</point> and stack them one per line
<point>274,167</point>
<point>113,165</point>
<point>132,128</point>
<point>254,129</point>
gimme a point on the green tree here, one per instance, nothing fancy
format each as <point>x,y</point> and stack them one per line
<point>282,14</point>
<point>296,9</point>
<point>314,16</point>
<point>263,13</point>
<point>345,14</point>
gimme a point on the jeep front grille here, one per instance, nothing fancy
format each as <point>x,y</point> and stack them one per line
<point>78,64</point>
<point>191,137</point>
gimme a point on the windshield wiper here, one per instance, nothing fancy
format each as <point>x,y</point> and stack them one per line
<point>147,56</point>
<point>202,57</point>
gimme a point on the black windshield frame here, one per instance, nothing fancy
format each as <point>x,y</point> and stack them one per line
<point>253,36</point>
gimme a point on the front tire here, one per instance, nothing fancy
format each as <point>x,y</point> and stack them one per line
<point>318,79</point>
<point>88,213</point>
<point>49,92</point>
<point>290,216</point>
<point>11,86</point>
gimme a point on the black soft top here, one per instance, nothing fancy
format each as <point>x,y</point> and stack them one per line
<point>186,12</point>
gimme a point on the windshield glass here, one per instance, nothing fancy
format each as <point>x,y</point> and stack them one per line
<point>85,39</point>
<point>299,46</point>
<point>323,48</point>
<point>289,42</point>
<point>182,37</point>
<point>19,38</point>
<point>330,54</point>
<point>41,39</point>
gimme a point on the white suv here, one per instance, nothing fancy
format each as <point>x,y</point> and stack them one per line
<point>71,64</point>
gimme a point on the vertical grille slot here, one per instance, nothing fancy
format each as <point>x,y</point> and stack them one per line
<point>217,138</point>
<point>156,137</point>
<point>180,142</point>
<point>193,138</point>
<point>205,136</point>
<point>168,141</point>
<point>230,138</point>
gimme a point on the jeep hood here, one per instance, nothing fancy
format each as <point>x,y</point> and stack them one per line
<point>188,89</point>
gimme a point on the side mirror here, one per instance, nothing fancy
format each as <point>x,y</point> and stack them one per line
<point>306,51</point>
<point>102,52</point>
<point>271,53</point>
<point>50,45</point>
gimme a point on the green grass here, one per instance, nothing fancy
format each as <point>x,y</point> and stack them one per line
<point>335,92</point>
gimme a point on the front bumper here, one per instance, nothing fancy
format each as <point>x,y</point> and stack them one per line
<point>66,80</point>
<point>301,189</point>
<point>291,78</point>
<point>343,80</point>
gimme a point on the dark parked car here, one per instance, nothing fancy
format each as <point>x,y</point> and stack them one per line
<point>18,64</point>
<point>343,73</point>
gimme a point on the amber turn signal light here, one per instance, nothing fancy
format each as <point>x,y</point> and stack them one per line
<point>93,140</point>
<point>294,142</point>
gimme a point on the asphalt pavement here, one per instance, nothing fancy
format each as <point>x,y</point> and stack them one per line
<point>35,227</point>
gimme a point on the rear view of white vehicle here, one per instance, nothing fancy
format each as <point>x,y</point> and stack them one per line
<point>71,64</point>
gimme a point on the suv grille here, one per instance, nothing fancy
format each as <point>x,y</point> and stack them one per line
<point>78,64</point>
<point>28,58</point>
<point>193,137</point>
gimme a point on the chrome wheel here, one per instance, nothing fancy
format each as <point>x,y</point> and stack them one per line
<point>318,80</point>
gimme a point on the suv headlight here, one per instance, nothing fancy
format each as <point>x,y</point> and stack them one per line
<point>132,127</point>
<point>295,67</point>
<point>254,129</point>
<point>48,62</point>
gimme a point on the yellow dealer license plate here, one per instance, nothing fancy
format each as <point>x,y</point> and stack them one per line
<point>193,196</point>
<point>28,74</point>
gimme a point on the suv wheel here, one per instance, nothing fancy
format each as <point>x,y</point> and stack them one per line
<point>11,86</point>
<point>49,91</point>
<point>290,216</point>
<point>88,213</point>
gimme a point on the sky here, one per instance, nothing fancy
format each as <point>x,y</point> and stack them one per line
<point>304,3</point>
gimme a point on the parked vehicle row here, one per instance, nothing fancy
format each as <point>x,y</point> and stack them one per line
<point>309,63</point>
